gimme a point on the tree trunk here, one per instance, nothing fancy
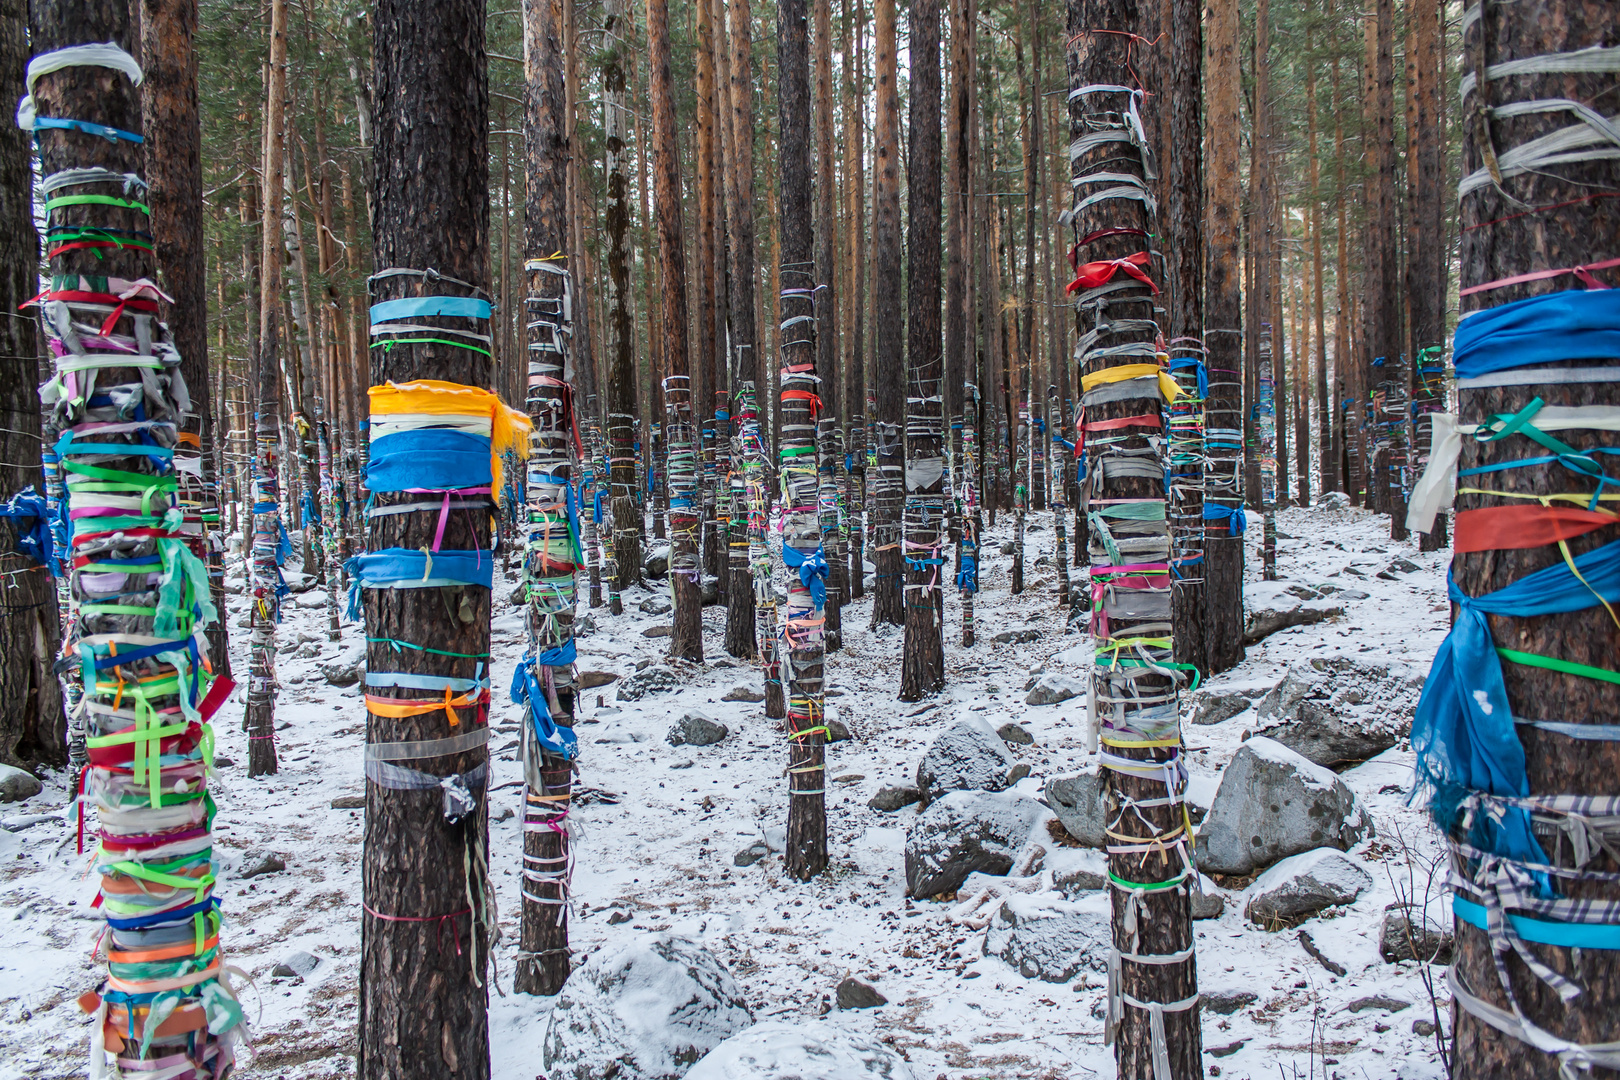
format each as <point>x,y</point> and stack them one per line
<point>1223,342</point>
<point>1326,402</point>
<point>829,442</point>
<point>428,902</point>
<point>1426,235</point>
<point>1153,1010</point>
<point>620,327</point>
<point>922,663</point>
<point>855,261</point>
<point>681,445</point>
<point>1262,312</point>
<point>1184,187</point>
<point>802,628</point>
<point>1540,222</point>
<point>267,526</point>
<point>33,726</point>
<point>960,367</point>
<point>885,489</point>
<point>703,382</point>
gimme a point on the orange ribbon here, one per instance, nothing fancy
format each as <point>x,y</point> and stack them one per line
<point>1499,528</point>
<point>1095,274</point>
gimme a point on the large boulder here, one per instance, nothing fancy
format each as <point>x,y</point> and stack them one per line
<point>654,680</point>
<point>811,1051</point>
<point>966,832</point>
<point>696,729</point>
<point>1054,687</point>
<point>655,564</point>
<point>1051,940</point>
<point>647,1011</point>
<point>1272,803</point>
<point>1274,606</point>
<point>1078,803</point>
<point>1337,711</point>
<point>17,784</point>
<point>348,668</point>
<point>1300,886</point>
<point>969,756</point>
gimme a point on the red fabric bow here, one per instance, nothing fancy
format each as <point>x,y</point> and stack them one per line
<point>1094,274</point>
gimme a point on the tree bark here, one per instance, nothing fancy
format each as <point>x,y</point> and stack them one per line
<point>620,326</point>
<point>704,385</point>
<point>1538,220</point>
<point>855,262</point>
<point>1223,343</point>
<point>922,662</point>
<point>961,373</point>
<point>681,446</point>
<point>834,480</point>
<point>428,903</point>
<point>886,488</point>
<point>802,630</point>
<point>1426,237</point>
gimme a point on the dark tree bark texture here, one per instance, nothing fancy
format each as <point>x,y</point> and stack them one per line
<point>885,489</point>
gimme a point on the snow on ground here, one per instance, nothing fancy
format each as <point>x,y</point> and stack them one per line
<point>660,844</point>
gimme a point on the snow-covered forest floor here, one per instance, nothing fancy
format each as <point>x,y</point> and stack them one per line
<point>660,827</point>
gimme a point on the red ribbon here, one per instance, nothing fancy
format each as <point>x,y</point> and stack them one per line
<point>1095,274</point>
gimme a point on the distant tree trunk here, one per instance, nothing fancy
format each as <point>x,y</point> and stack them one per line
<point>681,445</point>
<point>1153,1014</point>
<point>703,382</point>
<point>1223,343</point>
<point>33,726</point>
<point>922,663</point>
<point>1345,358</point>
<point>267,526</point>
<point>961,372</point>
<point>829,441</point>
<point>802,628</point>
<point>1327,446</point>
<point>1542,222</point>
<point>886,491</point>
<point>750,467</point>
<point>426,877</point>
<point>1184,187</point>
<point>620,328</point>
<point>1426,235</point>
<point>1382,318</point>
<point>1300,332</point>
<point>1262,312</point>
<point>725,474</point>
<point>855,260</point>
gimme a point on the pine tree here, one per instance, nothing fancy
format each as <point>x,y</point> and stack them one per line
<point>620,326</point>
<point>886,488</point>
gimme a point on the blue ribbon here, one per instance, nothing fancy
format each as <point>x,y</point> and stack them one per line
<point>402,568</point>
<point>283,545</point>
<point>466,306</point>
<point>306,509</point>
<point>111,134</point>
<point>1238,520</point>
<point>1564,935</point>
<point>1178,363</point>
<point>434,459</point>
<point>967,573</point>
<point>34,541</point>
<point>813,570</point>
<point>1462,731</point>
<point>1568,325</point>
<point>554,739</point>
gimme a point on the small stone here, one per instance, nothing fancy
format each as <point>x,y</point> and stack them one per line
<point>519,596</point>
<point>584,624</point>
<point>659,631</point>
<point>1399,940</point>
<point>619,918</point>
<point>1217,708</point>
<point>751,854</point>
<point>849,778</point>
<point>656,563</point>
<point>17,784</point>
<point>296,966</point>
<point>1018,635</point>
<point>854,994</point>
<point>224,762</point>
<point>695,729</point>
<point>1378,1001</point>
<point>590,680</point>
<point>1208,904</point>
<point>657,604</point>
<point>837,731</point>
<point>1399,566</point>
<point>1054,687</point>
<point>648,680</point>
<point>1008,547</point>
<point>1225,1051</point>
<point>966,832</point>
<point>894,797</point>
<point>255,865</point>
<point>1013,733</point>
<point>349,802</point>
<point>743,693</point>
<point>968,756</point>
<point>1078,803</point>
<point>1302,885</point>
<point>1423,1027</point>
<point>1051,940</point>
<point>1227,1002</point>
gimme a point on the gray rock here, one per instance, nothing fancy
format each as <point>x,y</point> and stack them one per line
<point>256,864</point>
<point>656,604</point>
<point>695,729</point>
<point>1399,940</point>
<point>18,784</point>
<point>969,756</point>
<point>1227,1002</point>
<point>1077,871</point>
<point>1077,802</point>
<point>854,994</point>
<point>1018,635</point>
<point>1008,547</point>
<point>836,729</point>
<point>1397,567</point>
<point>307,651</point>
<point>966,832</point>
<point>1337,711</point>
<point>744,693</point>
<point>647,1011</point>
<point>1333,500</point>
<point>1051,940</point>
<point>1054,687</point>
<point>659,631</point>
<point>1378,1001</point>
<point>347,669</point>
<point>295,966</point>
<point>656,562</point>
<point>1268,618</point>
<point>655,679</point>
<point>1271,804</point>
<point>1208,904</point>
<point>1302,885</point>
<point>590,680</point>
<point>584,624</point>
<point>1211,708</point>
<point>1013,733</point>
<point>808,1051</point>
<point>710,591</point>
<point>1354,594</point>
<point>349,802</point>
<point>751,854</point>
<point>519,596</point>
<point>894,798</point>
<point>1423,1027</point>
